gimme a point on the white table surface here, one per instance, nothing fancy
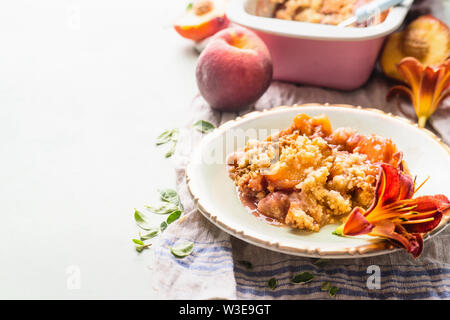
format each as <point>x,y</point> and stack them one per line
<point>85,87</point>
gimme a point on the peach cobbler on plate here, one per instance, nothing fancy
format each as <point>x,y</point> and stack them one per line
<point>310,175</point>
<point>313,190</point>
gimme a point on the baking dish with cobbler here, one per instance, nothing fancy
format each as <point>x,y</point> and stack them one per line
<point>306,44</point>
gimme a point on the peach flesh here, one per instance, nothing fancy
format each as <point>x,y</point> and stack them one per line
<point>203,20</point>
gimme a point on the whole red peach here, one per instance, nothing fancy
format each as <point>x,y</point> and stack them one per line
<point>234,70</point>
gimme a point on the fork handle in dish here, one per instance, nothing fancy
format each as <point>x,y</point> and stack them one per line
<point>368,10</point>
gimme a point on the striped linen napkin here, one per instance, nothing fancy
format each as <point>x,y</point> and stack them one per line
<point>218,267</point>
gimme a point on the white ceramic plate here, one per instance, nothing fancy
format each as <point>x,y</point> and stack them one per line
<point>215,193</point>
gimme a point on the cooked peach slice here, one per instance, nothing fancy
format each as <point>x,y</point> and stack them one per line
<point>319,125</point>
<point>285,176</point>
<point>377,149</point>
<point>427,39</point>
<point>202,19</point>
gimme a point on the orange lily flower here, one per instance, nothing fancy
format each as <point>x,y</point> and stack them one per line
<point>394,214</point>
<point>429,85</point>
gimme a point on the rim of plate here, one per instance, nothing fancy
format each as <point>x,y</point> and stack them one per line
<point>379,247</point>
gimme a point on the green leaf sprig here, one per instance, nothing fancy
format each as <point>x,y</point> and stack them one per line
<point>149,235</point>
<point>140,245</point>
<point>339,231</point>
<point>141,220</point>
<point>321,261</point>
<point>169,195</point>
<point>170,205</point>
<point>332,290</point>
<point>182,250</point>
<point>303,277</point>
<point>173,216</point>
<point>204,126</point>
<point>272,283</point>
<point>163,208</point>
<point>325,286</point>
<point>166,137</point>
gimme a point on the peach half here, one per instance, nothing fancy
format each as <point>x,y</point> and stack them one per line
<point>234,70</point>
<point>202,19</point>
<point>426,38</point>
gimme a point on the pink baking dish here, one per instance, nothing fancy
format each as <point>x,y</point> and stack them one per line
<point>318,54</point>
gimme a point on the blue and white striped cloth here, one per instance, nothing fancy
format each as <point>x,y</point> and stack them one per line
<point>213,270</point>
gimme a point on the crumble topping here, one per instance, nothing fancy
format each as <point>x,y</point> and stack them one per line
<point>317,178</point>
<point>319,11</point>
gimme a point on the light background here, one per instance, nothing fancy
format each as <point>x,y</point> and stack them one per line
<point>85,87</point>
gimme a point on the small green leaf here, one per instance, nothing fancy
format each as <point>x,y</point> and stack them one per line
<point>163,208</point>
<point>175,135</point>
<point>163,226</point>
<point>169,195</point>
<point>173,216</point>
<point>189,6</point>
<point>136,241</point>
<point>204,126</point>
<point>139,245</point>
<point>151,234</point>
<point>183,249</point>
<point>338,231</point>
<point>164,137</point>
<point>141,220</point>
<point>139,216</point>
<point>325,286</point>
<point>272,283</point>
<point>321,262</point>
<point>167,136</point>
<point>303,277</point>
<point>171,150</point>
<point>333,291</point>
<point>247,264</point>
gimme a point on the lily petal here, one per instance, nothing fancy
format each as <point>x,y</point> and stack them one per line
<point>356,224</point>
<point>425,105</point>
<point>428,86</point>
<point>427,203</point>
<point>443,95</point>
<point>406,189</point>
<point>424,227</point>
<point>391,189</point>
<point>411,70</point>
<point>394,214</point>
<point>427,207</point>
<point>397,159</point>
<point>392,185</point>
<point>443,81</point>
<point>386,229</point>
<point>413,243</point>
<point>400,89</point>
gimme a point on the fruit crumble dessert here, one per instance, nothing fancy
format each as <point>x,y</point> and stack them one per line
<point>309,175</point>
<point>320,11</point>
